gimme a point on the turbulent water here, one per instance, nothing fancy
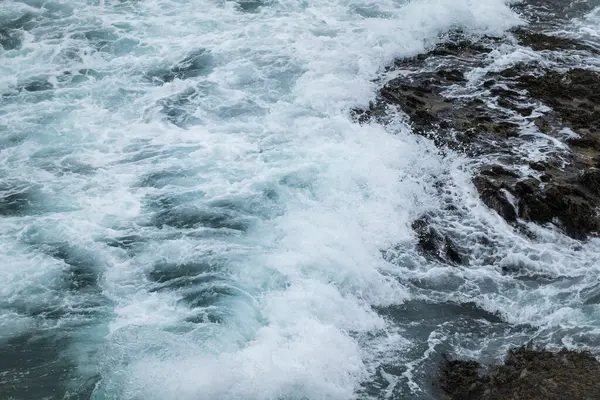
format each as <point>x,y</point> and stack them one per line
<point>189,212</point>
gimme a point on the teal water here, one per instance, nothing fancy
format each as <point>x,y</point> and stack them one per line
<point>187,210</point>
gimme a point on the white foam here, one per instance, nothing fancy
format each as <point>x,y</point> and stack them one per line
<point>271,116</point>
<point>588,25</point>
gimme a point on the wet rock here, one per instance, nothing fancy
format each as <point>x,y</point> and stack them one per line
<point>497,171</point>
<point>557,197</point>
<point>463,379</point>
<point>575,211</point>
<point>591,180</point>
<point>458,46</point>
<point>549,11</point>
<point>494,197</point>
<point>488,123</point>
<point>539,41</point>
<point>436,245</point>
<point>532,374</point>
<point>453,75</point>
<point>420,100</point>
<point>538,166</point>
<point>587,141</point>
<point>574,97</point>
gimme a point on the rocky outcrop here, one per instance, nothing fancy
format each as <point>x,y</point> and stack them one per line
<point>531,128</point>
<point>527,374</point>
<point>498,115</point>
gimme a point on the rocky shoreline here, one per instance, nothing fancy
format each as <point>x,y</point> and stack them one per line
<point>495,116</point>
<point>527,374</point>
<point>532,127</point>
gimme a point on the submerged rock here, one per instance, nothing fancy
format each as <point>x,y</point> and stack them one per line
<point>9,39</point>
<point>196,63</point>
<point>527,374</point>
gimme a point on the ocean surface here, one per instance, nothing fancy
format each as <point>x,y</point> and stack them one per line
<point>188,211</point>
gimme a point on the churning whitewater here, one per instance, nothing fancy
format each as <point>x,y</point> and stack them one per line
<point>189,212</point>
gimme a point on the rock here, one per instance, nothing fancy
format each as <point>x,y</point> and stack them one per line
<point>574,97</point>
<point>542,124</point>
<point>591,180</point>
<point>539,41</point>
<point>463,380</point>
<point>478,126</point>
<point>567,204</point>
<point>526,374</point>
<point>586,141</point>
<point>492,196</point>
<point>546,11</point>
<point>538,166</point>
<point>436,245</point>
<point>490,120</point>
<point>452,75</point>
<point>419,100</point>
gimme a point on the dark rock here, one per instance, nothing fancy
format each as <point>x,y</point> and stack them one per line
<point>452,75</point>
<point>547,11</point>
<point>591,180</point>
<point>492,196</point>
<point>575,211</point>
<point>542,124</point>
<point>586,141</point>
<point>418,101</point>
<point>436,245</point>
<point>545,178</point>
<point>452,253</point>
<point>463,380</point>
<point>360,116</point>
<point>459,47</point>
<point>527,374</point>
<point>490,123</point>
<point>496,171</point>
<point>573,96</point>
<point>538,166</point>
<point>489,83</point>
<point>540,41</point>
<point>526,187</point>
